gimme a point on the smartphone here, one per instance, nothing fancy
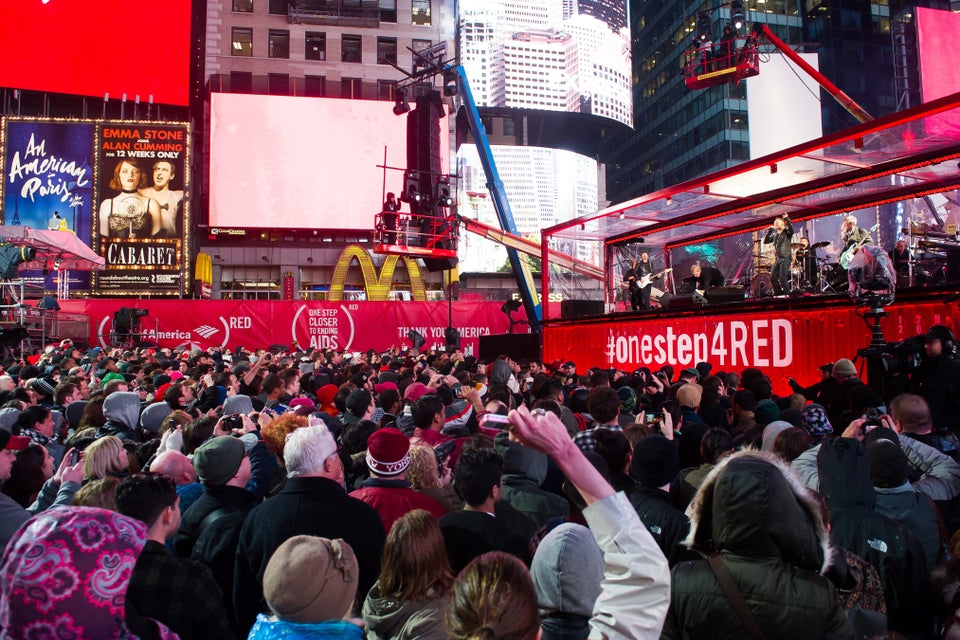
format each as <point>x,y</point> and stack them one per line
<point>74,456</point>
<point>494,420</point>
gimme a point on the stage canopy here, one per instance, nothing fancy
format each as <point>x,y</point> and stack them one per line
<point>64,246</point>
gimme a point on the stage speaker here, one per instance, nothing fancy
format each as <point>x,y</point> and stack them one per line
<point>581,308</point>
<point>719,295</point>
<point>676,302</point>
<point>953,265</point>
<point>516,345</point>
<point>423,138</point>
<point>439,264</point>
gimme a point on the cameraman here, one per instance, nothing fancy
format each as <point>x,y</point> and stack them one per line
<point>937,379</point>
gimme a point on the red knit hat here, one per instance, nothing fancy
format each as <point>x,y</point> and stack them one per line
<point>388,452</point>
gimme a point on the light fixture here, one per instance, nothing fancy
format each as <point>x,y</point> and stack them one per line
<point>738,14</point>
<point>450,87</point>
<point>264,259</point>
<point>400,106</point>
<point>704,26</point>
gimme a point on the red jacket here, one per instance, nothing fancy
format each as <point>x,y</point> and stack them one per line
<point>393,498</point>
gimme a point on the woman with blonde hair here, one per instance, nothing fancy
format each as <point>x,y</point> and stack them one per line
<point>409,599</point>
<point>105,457</point>
<point>423,474</point>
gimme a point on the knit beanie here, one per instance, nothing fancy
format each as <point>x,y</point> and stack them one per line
<point>310,579</point>
<point>766,411</point>
<point>388,452</point>
<point>888,463</point>
<point>655,461</point>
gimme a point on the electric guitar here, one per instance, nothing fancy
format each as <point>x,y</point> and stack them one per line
<point>632,283</point>
<point>847,256</point>
<point>650,277</point>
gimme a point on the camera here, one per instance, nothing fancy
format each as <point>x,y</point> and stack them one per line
<point>231,422</point>
<point>872,419</point>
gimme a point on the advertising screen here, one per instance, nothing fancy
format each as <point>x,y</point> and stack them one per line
<point>552,55</point>
<point>304,163</point>
<point>48,183</point>
<point>141,215</point>
<point>93,48</point>
<point>938,31</point>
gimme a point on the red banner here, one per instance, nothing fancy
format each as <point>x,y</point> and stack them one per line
<point>782,343</point>
<point>355,326</point>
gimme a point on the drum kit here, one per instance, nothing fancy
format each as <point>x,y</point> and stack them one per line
<point>808,272</point>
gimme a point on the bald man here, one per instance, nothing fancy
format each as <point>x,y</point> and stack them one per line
<point>178,468</point>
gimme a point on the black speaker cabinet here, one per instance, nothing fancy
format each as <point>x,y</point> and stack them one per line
<point>953,265</point>
<point>581,308</point>
<point>515,345</point>
<point>719,295</point>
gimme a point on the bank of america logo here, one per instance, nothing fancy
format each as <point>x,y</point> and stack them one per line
<point>206,330</point>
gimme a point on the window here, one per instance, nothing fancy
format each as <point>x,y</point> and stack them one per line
<point>243,6</point>
<point>509,127</point>
<point>278,84</point>
<point>386,51</point>
<point>388,10</point>
<point>351,88</point>
<point>241,82</point>
<point>278,44</point>
<point>420,12</point>
<point>315,86</point>
<point>419,45</point>
<point>278,7</point>
<point>386,89</point>
<point>350,49</point>
<point>316,48</point>
<point>242,42</point>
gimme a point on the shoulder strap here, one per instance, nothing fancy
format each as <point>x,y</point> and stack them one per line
<point>735,597</point>
<point>216,515</point>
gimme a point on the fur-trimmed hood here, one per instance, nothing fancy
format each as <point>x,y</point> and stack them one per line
<point>752,504</point>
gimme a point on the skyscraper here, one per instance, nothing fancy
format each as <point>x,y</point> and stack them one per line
<point>680,133</point>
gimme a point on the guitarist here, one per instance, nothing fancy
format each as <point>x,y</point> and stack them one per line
<point>853,238</point>
<point>639,295</point>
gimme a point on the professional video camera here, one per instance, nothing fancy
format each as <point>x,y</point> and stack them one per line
<point>11,256</point>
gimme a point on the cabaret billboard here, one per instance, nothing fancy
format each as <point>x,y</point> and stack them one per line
<point>119,186</point>
<point>142,218</point>
<point>115,47</point>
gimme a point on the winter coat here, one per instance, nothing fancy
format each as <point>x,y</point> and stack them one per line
<point>665,522</point>
<point>524,470</point>
<point>392,619</point>
<point>315,506</point>
<point>840,470</point>
<point>755,513</point>
<point>393,498</point>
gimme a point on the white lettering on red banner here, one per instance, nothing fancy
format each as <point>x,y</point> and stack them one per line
<point>757,343</point>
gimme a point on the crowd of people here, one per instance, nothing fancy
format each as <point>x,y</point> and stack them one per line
<point>281,493</point>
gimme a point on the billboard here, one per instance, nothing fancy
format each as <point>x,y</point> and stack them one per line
<point>142,216</point>
<point>93,48</point>
<point>48,182</point>
<point>553,55</point>
<point>937,32</point>
<point>304,163</point>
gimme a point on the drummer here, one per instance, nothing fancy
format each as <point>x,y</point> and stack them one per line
<point>804,265</point>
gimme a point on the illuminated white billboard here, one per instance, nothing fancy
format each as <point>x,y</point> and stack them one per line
<point>304,163</point>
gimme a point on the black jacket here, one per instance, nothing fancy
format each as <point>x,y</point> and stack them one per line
<point>781,240</point>
<point>756,514</point>
<point>312,506</point>
<point>667,524</point>
<point>844,478</point>
<point>937,380</point>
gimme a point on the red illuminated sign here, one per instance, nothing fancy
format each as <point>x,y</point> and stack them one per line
<point>781,343</point>
<point>92,48</point>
